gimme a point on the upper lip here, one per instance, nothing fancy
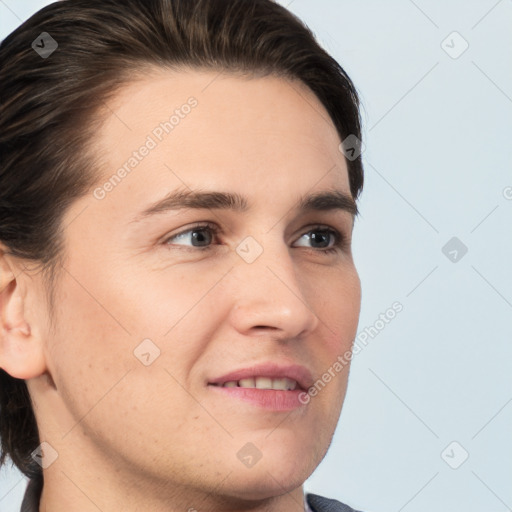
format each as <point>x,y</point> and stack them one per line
<point>273,370</point>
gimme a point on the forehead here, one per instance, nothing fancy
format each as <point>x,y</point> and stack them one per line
<point>189,127</point>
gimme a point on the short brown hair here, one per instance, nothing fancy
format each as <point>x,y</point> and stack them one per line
<point>49,107</point>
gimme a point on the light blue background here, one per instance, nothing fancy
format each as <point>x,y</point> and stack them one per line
<point>438,152</point>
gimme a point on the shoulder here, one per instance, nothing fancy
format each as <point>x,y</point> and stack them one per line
<point>322,504</point>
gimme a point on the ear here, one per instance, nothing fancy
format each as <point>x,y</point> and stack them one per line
<point>21,350</point>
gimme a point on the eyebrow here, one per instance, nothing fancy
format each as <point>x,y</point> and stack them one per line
<point>327,200</point>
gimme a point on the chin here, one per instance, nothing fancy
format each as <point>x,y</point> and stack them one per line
<point>264,485</point>
<point>271,477</point>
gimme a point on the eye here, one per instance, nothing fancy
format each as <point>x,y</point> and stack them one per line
<point>316,235</point>
<point>198,235</point>
<point>321,234</point>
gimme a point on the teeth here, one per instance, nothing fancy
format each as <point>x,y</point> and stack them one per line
<point>263,383</point>
<point>247,383</point>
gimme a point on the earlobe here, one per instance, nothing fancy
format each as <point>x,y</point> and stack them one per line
<point>21,354</point>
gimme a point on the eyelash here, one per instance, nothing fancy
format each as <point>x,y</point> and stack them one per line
<point>340,242</point>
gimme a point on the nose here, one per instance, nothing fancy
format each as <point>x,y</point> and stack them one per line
<point>269,293</point>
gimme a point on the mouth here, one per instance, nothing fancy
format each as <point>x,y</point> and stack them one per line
<point>267,375</point>
<point>276,384</point>
<point>268,386</point>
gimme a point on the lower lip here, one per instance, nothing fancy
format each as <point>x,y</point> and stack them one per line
<point>270,399</point>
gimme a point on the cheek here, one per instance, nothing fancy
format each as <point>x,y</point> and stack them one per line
<point>91,349</point>
<point>155,300</point>
<point>350,307</point>
<point>339,309</point>
<point>338,305</point>
<point>110,327</point>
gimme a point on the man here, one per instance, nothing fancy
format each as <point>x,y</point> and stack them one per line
<point>191,277</point>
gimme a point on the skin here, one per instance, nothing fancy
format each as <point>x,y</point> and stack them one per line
<point>133,437</point>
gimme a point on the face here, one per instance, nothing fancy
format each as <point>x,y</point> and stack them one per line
<point>151,308</point>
